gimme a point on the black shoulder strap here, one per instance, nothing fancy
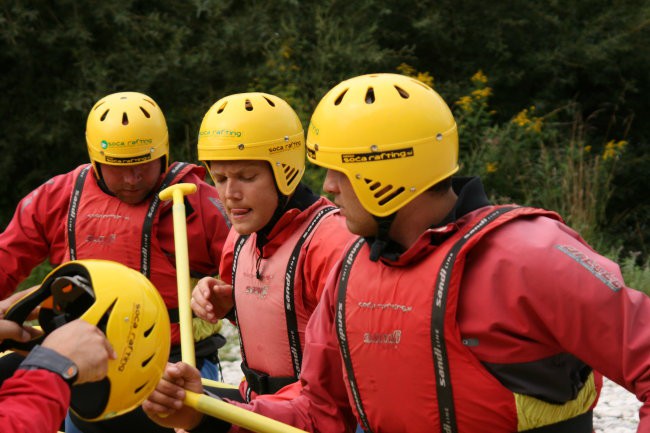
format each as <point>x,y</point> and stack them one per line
<point>241,240</point>
<point>350,256</point>
<point>290,295</point>
<point>444,392</point>
<point>72,211</point>
<point>147,226</point>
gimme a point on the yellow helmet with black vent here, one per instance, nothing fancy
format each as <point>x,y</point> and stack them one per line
<point>391,135</point>
<point>255,126</point>
<point>126,128</point>
<point>124,305</point>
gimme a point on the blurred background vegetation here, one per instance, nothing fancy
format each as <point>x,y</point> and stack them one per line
<point>551,96</point>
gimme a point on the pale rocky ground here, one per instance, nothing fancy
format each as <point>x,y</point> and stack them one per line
<point>617,410</point>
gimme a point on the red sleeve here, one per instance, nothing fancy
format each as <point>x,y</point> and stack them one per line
<point>538,290</point>
<point>323,252</point>
<point>35,232</point>
<point>33,401</point>
<point>322,406</point>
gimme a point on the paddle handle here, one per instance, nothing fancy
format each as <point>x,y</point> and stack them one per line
<point>236,415</point>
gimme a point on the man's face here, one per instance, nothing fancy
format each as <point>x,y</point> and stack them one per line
<point>247,190</point>
<point>132,183</point>
<point>358,220</point>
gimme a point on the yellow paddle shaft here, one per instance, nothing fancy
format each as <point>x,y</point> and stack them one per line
<point>236,415</point>
<point>176,193</point>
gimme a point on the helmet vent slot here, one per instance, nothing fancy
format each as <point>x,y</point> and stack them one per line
<point>148,360</point>
<point>103,322</point>
<point>249,105</point>
<point>138,389</point>
<point>104,115</point>
<point>391,196</point>
<point>370,96</point>
<point>271,103</point>
<point>403,93</point>
<point>340,97</point>
<point>384,193</point>
<point>148,331</point>
<point>290,173</point>
<point>223,107</point>
<point>125,119</point>
<point>145,112</point>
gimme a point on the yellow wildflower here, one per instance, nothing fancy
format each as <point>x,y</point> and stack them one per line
<point>286,51</point>
<point>610,150</point>
<point>426,78</point>
<point>536,125</point>
<point>521,118</point>
<point>491,167</point>
<point>525,120</point>
<point>482,93</point>
<point>465,103</point>
<point>410,71</point>
<point>479,77</point>
<point>613,149</point>
<point>406,69</point>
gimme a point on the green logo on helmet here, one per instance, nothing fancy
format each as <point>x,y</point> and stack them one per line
<point>128,143</point>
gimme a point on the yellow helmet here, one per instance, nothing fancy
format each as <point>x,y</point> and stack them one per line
<point>126,128</point>
<point>391,135</point>
<point>255,126</point>
<point>126,306</point>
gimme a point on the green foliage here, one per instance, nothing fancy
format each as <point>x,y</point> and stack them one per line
<point>548,161</point>
<point>636,275</point>
<point>582,65</point>
<point>36,277</point>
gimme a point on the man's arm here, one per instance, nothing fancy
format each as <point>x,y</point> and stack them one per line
<point>33,401</point>
<point>36,231</point>
<point>37,396</point>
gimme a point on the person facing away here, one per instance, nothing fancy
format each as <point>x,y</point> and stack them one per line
<point>284,238</point>
<point>109,209</point>
<point>37,396</point>
<point>449,314</point>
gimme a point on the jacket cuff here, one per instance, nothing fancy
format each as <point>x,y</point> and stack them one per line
<point>42,358</point>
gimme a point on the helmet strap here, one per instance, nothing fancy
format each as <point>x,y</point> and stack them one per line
<point>261,239</point>
<point>301,199</point>
<point>380,242</point>
<point>100,180</point>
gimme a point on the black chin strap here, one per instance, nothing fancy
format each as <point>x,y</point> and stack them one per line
<point>379,243</point>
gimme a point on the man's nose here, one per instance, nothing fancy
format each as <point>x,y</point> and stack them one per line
<point>132,175</point>
<point>232,191</point>
<point>330,182</point>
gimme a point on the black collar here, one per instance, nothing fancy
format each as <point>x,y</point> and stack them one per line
<point>471,196</point>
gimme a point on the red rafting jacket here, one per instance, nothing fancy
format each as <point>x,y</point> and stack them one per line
<point>516,301</point>
<point>260,302</point>
<point>33,401</point>
<point>39,227</point>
